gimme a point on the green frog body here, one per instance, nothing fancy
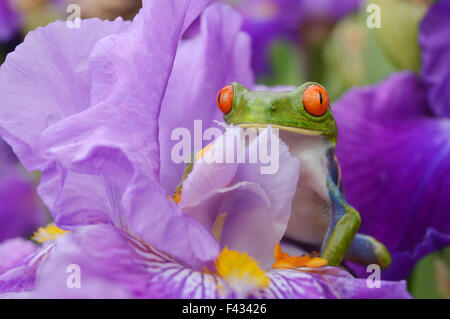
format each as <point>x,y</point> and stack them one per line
<point>320,216</point>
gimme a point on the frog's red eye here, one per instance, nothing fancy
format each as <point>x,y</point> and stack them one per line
<point>315,100</point>
<point>225,99</point>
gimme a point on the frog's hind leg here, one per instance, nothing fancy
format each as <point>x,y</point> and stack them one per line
<point>367,250</point>
<point>344,224</point>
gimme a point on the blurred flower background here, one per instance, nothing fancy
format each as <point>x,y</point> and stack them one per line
<point>390,93</point>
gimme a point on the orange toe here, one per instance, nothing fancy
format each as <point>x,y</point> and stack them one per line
<point>285,261</point>
<point>316,262</point>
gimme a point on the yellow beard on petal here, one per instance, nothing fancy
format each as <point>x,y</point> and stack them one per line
<point>241,271</point>
<point>48,233</point>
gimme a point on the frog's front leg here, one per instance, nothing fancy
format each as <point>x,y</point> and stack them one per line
<point>344,224</point>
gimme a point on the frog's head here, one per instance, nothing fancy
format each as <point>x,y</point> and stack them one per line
<point>304,110</point>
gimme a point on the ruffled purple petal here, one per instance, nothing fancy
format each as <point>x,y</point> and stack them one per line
<point>435,43</point>
<point>395,160</point>
<point>98,167</point>
<point>45,80</point>
<point>204,64</point>
<point>257,205</point>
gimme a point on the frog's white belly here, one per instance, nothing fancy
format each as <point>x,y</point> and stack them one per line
<point>311,208</point>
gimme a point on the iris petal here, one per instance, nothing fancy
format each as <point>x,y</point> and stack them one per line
<point>96,166</point>
<point>435,56</point>
<point>219,55</point>
<point>257,205</point>
<point>116,265</point>
<point>395,159</point>
<point>331,283</point>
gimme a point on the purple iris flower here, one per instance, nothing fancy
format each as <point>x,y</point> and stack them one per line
<point>116,265</point>
<point>270,20</point>
<point>394,150</point>
<point>86,108</point>
<point>9,21</point>
<point>20,210</point>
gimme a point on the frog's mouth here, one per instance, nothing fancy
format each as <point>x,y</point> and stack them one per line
<point>284,128</point>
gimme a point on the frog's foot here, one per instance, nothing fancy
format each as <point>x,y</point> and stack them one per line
<point>367,250</point>
<point>285,261</point>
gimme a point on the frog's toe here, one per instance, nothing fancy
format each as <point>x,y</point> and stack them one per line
<point>367,250</point>
<point>286,261</point>
<point>383,256</point>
